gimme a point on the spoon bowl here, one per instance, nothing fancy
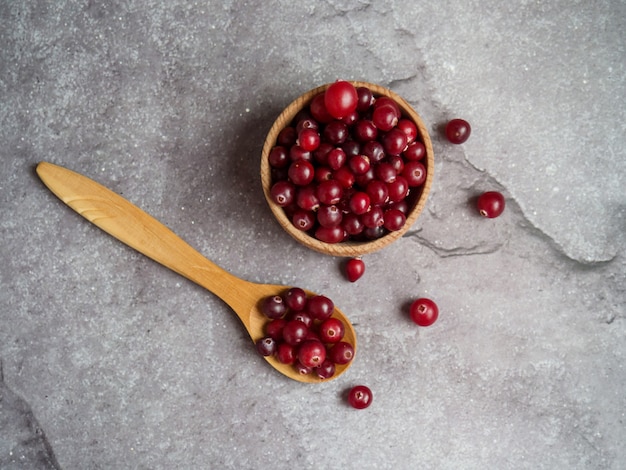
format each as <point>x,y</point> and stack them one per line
<point>134,227</point>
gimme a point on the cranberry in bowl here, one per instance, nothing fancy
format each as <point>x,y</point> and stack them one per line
<point>347,167</point>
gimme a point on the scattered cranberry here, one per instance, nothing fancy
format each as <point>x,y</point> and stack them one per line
<point>351,150</point>
<point>458,131</point>
<point>360,397</point>
<point>424,312</point>
<point>355,267</point>
<point>490,204</point>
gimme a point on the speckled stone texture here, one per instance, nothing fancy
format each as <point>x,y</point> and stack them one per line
<point>111,361</point>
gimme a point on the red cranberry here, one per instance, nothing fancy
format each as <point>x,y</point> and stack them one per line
<point>355,268</point>
<point>344,177</point>
<point>285,353</point>
<point>458,131</point>
<point>274,328</point>
<point>360,397</point>
<point>394,142</point>
<point>424,312</point>
<point>301,172</point>
<point>341,353</point>
<point>414,172</point>
<point>283,193</point>
<point>385,117</point>
<point>394,219</point>
<point>311,353</point>
<point>279,157</point>
<point>295,298</point>
<point>398,189</point>
<point>320,307</point>
<point>266,346</point>
<point>365,99</point>
<point>373,217</point>
<point>329,216</point>
<point>273,307</point>
<point>340,99</point>
<point>378,192</point>
<point>329,192</point>
<point>359,164</point>
<point>303,220</point>
<point>287,137</point>
<point>336,132</point>
<point>336,158</point>
<point>365,130</point>
<point>331,330</point>
<point>409,128</point>
<point>330,234</point>
<point>318,109</point>
<point>326,370</point>
<point>294,332</point>
<point>414,151</point>
<point>491,204</point>
<point>359,203</point>
<point>300,315</point>
<point>309,139</point>
<point>306,198</point>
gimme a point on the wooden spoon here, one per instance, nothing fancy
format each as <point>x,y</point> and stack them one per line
<point>132,226</point>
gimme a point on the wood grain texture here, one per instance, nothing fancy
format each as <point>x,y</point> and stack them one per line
<point>347,249</point>
<point>137,229</point>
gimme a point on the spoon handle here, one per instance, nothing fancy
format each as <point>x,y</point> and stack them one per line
<point>132,226</point>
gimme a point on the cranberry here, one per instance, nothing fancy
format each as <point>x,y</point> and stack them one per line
<point>365,130</point>
<point>300,315</point>
<point>266,346</point>
<point>322,173</point>
<point>318,109</point>
<point>294,332</point>
<point>344,177</point>
<point>341,353</point>
<point>352,224</point>
<point>329,192</point>
<point>385,117</point>
<point>374,151</point>
<point>330,234</point>
<point>273,307</point>
<point>301,172</point>
<point>398,189</point>
<point>331,330</point>
<point>329,216</point>
<point>320,307</point>
<point>336,158</point>
<point>394,219</point>
<point>409,128</point>
<point>341,99</point>
<point>336,132</point>
<point>378,192</point>
<point>302,369</point>
<point>355,268</point>
<point>386,101</point>
<point>373,217</point>
<point>309,139</point>
<point>303,220</point>
<point>490,204</point>
<point>274,328</point>
<point>311,353</point>
<point>365,99</point>
<point>283,193</point>
<point>320,154</point>
<point>359,164</point>
<point>414,173</point>
<point>351,147</point>
<point>326,370</point>
<point>424,312</point>
<point>287,137</point>
<point>360,397</point>
<point>285,353</point>
<point>306,198</point>
<point>295,298</point>
<point>359,203</point>
<point>385,172</point>
<point>394,142</point>
<point>414,151</point>
<point>458,131</point>
<point>296,153</point>
<point>279,157</point>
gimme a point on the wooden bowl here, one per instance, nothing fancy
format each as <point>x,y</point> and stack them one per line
<point>417,197</point>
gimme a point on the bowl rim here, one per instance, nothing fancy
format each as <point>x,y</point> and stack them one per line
<point>347,248</point>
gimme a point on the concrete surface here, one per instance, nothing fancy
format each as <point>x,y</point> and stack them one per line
<point>109,361</point>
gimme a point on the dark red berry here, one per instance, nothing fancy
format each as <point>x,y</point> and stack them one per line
<point>414,151</point>
<point>360,397</point>
<point>359,203</point>
<point>414,172</point>
<point>286,353</point>
<point>301,172</point>
<point>294,332</point>
<point>394,219</point>
<point>303,220</point>
<point>266,346</point>
<point>424,312</point>
<point>335,132</point>
<point>318,109</point>
<point>458,131</point>
<point>309,139</point>
<point>329,192</point>
<point>394,142</point>
<point>355,268</point>
<point>490,204</point>
<point>326,370</point>
<point>283,193</point>
<point>273,307</point>
<point>274,328</point>
<point>295,298</point>
<point>385,117</point>
<point>330,234</point>
<point>329,216</point>
<point>409,128</point>
<point>365,99</point>
<point>320,307</point>
<point>279,157</point>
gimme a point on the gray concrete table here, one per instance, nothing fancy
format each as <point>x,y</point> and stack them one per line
<point>110,361</point>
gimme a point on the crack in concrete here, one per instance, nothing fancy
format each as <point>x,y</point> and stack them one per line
<point>444,252</point>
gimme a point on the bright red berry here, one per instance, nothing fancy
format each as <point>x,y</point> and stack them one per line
<point>424,312</point>
<point>490,204</point>
<point>360,397</point>
<point>458,131</point>
<point>355,267</point>
<point>341,99</point>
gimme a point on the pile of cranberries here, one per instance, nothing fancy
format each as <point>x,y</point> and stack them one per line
<point>345,166</point>
<point>302,332</point>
